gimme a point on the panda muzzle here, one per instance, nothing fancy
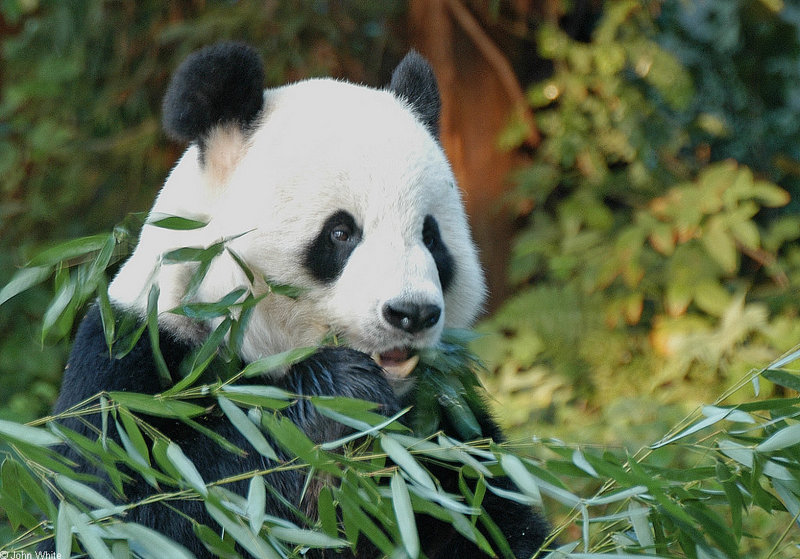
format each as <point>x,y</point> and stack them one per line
<point>398,363</point>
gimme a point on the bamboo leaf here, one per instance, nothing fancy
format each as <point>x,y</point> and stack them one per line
<point>256,503</point>
<point>69,250</point>
<point>31,435</point>
<point>520,475</point>
<point>306,537</point>
<point>224,549</point>
<point>400,456</point>
<point>23,280</point>
<point>788,436</point>
<point>784,378</point>
<point>151,544</point>
<point>278,361</point>
<point>327,512</point>
<point>83,492</point>
<point>89,537</point>
<point>406,524</point>
<point>186,468</point>
<point>153,331</point>
<point>153,405</point>
<point>246,427</point>
<point>247,539</point>
<point>63,532</point>
<point>174,222</point>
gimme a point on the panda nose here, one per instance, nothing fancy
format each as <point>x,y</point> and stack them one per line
<point>411,317</point>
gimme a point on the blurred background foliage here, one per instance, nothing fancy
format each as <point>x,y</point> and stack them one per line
<point>654,261</point>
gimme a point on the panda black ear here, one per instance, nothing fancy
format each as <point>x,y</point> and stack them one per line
<point>220,84</point>
<point>414,81</point>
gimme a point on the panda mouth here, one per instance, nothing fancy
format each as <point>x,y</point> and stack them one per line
<point>398,362</point>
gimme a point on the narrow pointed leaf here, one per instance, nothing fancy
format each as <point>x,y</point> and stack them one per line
<point>247,428</point>
<point>401,502</point>
<point>256,503</point>
<point>400,456</point>
<point>167,221</point>
<point>186,468</point>
<point>23,280</point>
<point>83,492</point>
<point>26,434</point>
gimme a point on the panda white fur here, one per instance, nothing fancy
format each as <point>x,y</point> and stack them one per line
<point>339,190</point>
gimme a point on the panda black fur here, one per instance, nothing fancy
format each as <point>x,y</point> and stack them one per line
<point>338,189</point>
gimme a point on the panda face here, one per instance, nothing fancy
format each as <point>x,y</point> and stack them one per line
<point>341,191</point>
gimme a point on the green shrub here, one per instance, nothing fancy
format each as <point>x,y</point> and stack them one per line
<point>652,271</point>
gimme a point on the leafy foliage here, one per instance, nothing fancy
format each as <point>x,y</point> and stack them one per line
<point>743,459</point>
<point>655,268</point>
<point>649,262</point>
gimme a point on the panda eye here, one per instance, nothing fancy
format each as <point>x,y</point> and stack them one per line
<point>430,233</point>
<point>341,233</point>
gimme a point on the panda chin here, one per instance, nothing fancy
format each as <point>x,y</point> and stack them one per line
<point>398,363</point>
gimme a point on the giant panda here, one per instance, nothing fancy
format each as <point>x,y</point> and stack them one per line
<point>340,190</point>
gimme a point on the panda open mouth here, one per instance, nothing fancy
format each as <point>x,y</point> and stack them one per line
<point>398,362</point>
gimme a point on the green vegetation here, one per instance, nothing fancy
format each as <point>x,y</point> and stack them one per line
<point>653,271</point>
<point>655,275</point>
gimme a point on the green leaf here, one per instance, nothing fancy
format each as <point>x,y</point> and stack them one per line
<point>186,468</point>
<point>106,312</point>
<point>83,492</point>
<point>225,549</point>
<point>63,531</point>
<point>23,280</point>
<point>151,544</point>
<point>785,437</point>
<point>154,405</point>
<point>327,512</point>
<point>89,538</point>
<point>720,245</point>
<point>400,456</point>
<point>310,538</point>
<point>291,291</point>
<point>406,524</point>
<point>268,397</point>
<point>69,250</point>
<point>154,333</point>
<point>246,427</point>
<point>278,361</point>
<point>208,311</point>
<point>770,195</point>
<point>783,378</point>
<point>58,307</point>
<point>134,435</point>
<point>367,430</point>
<point>167,221</point>
<point>293,439</point>
<point>27,483</point>
<point>31,435</point>
<point>201,358</point>
<point>242,265</point>
<point>520,475</point>
<point>256,503</point>
<point>247,539</point>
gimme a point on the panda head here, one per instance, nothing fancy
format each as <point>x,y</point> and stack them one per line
<point>340,190</point>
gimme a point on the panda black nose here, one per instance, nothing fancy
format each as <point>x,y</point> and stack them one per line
<point>411,317</point>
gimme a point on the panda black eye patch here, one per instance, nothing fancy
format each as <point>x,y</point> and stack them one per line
<point>445,264</point>
<point>327,254</point>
